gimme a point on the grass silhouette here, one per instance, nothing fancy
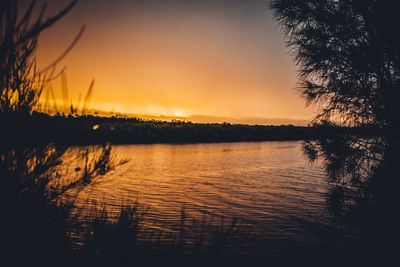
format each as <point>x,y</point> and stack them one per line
<point>44,224</point>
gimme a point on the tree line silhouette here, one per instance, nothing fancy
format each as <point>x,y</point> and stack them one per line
<point>347,53</point>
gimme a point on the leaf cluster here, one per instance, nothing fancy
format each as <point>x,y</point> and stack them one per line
<point>347,52</point>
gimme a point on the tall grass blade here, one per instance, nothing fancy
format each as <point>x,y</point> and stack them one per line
<point>64,89</point>
<point>87,98</point>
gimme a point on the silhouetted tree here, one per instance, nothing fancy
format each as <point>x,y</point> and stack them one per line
<point>21,83</point>
<point>348,55</point>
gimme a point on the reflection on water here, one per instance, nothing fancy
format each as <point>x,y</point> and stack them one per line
<point>350,164</point>
<point>290,205</point>
<point>265,183</point>
<point>363,184</point>
<point>288,208</point>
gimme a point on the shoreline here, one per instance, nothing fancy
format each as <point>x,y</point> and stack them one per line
<point>41,128</point>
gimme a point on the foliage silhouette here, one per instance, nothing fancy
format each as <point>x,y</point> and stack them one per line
<point>121,239</point>
<point>36,213</point>
<point>88,129</point>
<point>348,54</point>
<point>44,225</point>
<point>363,184</point>
<point>352,68</point>
<point>69,107</point>
<point>21,83</point>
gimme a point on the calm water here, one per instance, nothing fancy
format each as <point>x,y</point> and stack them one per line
<point>267,185</point>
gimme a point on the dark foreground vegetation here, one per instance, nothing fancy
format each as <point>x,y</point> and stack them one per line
<point>348,54</point>
<point>44,224</point>
<point>87,129</point>
<point>41,224</point>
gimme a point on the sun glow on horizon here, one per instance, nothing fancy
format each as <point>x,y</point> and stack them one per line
<point>178,60</point>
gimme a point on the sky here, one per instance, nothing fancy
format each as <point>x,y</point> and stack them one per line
<point>210,59</point>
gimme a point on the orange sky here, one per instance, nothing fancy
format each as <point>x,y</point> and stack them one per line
<point>176,58</point>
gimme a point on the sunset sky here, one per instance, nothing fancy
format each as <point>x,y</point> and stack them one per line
<point>207,59</point>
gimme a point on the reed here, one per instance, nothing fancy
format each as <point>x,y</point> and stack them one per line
<point>21,82</point>
<point>45,224</point>
<point>49,105</point>
<point>122,239</point>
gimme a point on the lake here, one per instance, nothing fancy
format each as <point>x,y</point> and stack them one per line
<point>270,188</point>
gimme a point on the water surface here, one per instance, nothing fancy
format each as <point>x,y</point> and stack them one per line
<point>266,183</point>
